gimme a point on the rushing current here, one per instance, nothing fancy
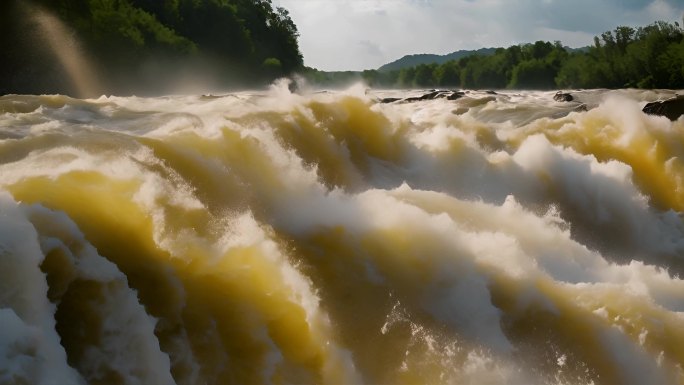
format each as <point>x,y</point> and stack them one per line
<point>327,238</point>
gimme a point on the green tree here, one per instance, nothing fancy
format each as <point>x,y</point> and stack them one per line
<point>238,36</point>
<point>424,75</point>
<point>533,74</point>
<point>448,75</point>
<point>406,76</point>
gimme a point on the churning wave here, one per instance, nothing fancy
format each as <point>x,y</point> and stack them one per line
<point>327,238</point>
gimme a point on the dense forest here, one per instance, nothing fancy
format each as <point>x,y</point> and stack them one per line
<point>644,57</point>
<point>145,43</point>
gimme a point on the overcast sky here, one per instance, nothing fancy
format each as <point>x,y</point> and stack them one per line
<point>365,34</point>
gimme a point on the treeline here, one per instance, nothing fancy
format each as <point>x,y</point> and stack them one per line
<point>238,41</point>
<point>519,66</point>
<point>645,57</point>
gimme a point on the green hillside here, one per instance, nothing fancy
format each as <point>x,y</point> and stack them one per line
<point>414,60</point>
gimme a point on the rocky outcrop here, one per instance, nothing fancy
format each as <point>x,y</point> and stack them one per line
<point>581,108</point>
<point>670,108</point>
<point>456,95</point>
<point>432,95</point>
<point>563,97</point>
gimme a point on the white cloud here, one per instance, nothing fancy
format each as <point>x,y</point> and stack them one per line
<point>661,9</point>
<point>363,34</point>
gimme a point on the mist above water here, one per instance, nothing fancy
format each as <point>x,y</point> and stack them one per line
<point>48,57</point>
<point>65,47</point>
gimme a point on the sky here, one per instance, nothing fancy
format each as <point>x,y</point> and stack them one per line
<point>365,34</point>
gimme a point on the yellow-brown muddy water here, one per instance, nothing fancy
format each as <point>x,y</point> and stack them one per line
<point>325,238</point>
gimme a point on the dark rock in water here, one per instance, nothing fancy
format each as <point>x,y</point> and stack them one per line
<point>562,97</point>
<point>455,95</point>
<point>581,108</point>
<point>432,95</point>
<point>578,107</point>
<point>293,86</point>
<point>491,92</point>
<point>429,96</point>
<point>670,108</point>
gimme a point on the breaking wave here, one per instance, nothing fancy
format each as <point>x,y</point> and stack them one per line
<point>327,238</point>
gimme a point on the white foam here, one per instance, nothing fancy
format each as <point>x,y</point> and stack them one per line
<point>30,349</point>
<point>449,218</point>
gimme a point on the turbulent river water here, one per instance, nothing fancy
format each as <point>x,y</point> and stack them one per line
<point>327,238</point>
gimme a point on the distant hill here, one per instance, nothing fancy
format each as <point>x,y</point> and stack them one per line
<point>414,60</point>
<point>579,49</point>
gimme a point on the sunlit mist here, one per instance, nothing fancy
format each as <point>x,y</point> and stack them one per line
<point>66,48</point>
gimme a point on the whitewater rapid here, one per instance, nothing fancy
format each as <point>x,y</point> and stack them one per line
<point>327,238</point>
